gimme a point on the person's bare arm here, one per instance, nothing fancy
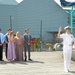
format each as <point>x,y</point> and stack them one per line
<point>6,42</point>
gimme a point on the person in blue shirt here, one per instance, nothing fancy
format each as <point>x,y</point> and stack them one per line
<point>65,3</point>
<point>6,40</point>
<point>1,45</point>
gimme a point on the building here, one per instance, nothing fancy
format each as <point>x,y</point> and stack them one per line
<point>36,15</point>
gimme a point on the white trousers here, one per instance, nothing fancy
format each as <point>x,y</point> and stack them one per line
<point>67,52</point>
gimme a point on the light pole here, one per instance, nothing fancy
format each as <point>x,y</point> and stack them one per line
<point>41,35</point>
<point>11,22</point>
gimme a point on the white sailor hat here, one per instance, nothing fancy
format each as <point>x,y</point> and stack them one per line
<point>67,27</point>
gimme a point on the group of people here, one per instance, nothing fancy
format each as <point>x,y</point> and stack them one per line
<point>15,45</point>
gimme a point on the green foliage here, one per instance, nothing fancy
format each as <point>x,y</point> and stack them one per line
<point>37,45</point>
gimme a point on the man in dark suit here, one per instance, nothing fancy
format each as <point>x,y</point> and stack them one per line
<point>27,44</point>
<point>1,45</point>
<point>65,3</point>
<point>6,40</point>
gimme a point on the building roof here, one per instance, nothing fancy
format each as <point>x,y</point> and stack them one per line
<point>8,2</point>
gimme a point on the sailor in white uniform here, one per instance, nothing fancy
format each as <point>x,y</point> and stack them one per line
<point>68,42</point>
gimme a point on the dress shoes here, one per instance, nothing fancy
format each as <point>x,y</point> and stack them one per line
<point>1,60</point>
<point>25,60</point>
<point>66,70</point>
<point>30,60</point>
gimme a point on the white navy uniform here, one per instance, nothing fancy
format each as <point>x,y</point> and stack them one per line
<point>68,40</point>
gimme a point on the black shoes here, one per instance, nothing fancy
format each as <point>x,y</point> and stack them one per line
<point>30,60</point>
<point>25,60</point>
<point>1,60</point>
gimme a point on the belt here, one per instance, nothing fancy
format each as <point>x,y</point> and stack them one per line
<point>68,45</point>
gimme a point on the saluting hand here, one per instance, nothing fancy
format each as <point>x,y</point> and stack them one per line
<point>60,29</point>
